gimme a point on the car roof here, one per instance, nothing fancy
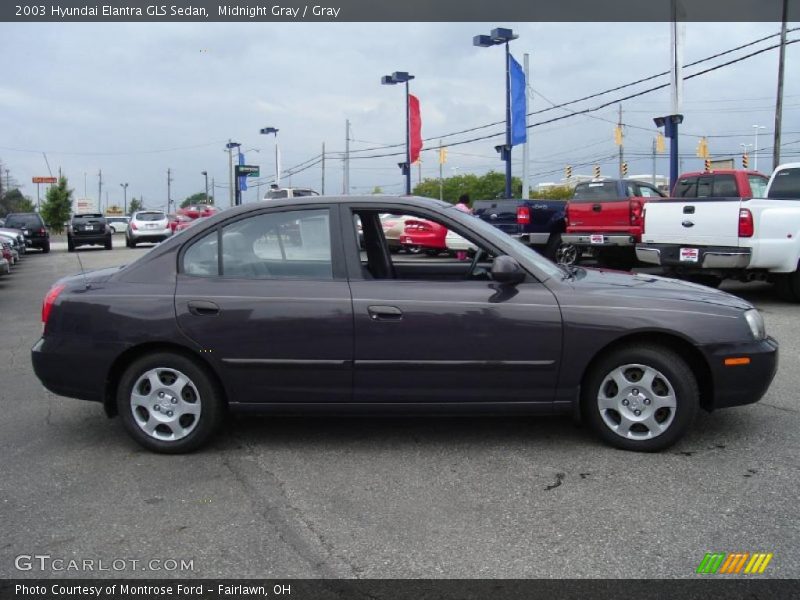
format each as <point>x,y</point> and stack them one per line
<point>720,172</point>
<point>413,201</point>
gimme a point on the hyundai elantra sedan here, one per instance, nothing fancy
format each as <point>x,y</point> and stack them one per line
<point>275,307</point>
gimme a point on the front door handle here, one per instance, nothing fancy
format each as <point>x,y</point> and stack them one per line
<point>688,210</point>
<point>597,207</point>
<point>385,313</point>
<point>203,308</point>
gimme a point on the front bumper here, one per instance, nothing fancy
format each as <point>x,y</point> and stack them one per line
<point>708,257</point>
<point>598,239</point>
<point>746,383</point>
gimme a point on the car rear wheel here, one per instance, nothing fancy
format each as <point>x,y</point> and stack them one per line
<point>70,245</point>
<point>46,247</point>
<point>787,286</point>
<point>641,398</point>
<point>566,254</point>
<point>168,404</point>
<point>109,244</point>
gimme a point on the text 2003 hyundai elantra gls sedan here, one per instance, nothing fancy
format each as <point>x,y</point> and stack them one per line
<point>275,307</point>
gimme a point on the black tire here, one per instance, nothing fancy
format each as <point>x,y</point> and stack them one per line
<point>210,401</point>
<point>678,376</point>
<point>130,243</point>
<point>431,252</point>
<point>622,260</point>
<point>70,245</point>
<point>787,286</point>
<point>46,248</point>
<point>109,245</point>
<point>551,248</point>
<point>567,254</point>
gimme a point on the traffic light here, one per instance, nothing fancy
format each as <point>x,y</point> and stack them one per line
<point>442,155</point>
<point>745,161</point>
<point>707,165</point>
<point>702,148</point>
<point>618,135</point>
<point>568,172</point>
<point>660,145</point>
<point>624,169</point>
<point>596,171</point>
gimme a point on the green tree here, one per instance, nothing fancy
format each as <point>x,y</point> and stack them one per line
<point>377,190</point>
<point>134,205</point>
<point>198,198</point>
<point>57,206</point>
<point>14,201</point>
<point>479,187</point>
<point>556,192</point>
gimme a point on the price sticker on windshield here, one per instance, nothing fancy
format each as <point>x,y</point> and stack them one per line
<point>689,255</point>
<point>596,238</point>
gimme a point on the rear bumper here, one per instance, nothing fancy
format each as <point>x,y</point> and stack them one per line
<point>608,239</point>
<point>98,238</point>
<point>534,239</point>
<point>709,257</point>
<point>61,367</point>
<point>741,384</point>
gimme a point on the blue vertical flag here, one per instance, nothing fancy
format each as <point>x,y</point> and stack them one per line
<point>519,103</point>
<point>242,178</point>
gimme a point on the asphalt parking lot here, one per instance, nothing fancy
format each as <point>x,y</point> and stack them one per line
<point>388,497</point>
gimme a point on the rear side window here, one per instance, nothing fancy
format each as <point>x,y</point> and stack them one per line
<point>596,191</point>
<point>283,245</point>
<point>201,259</point>
<point>686,188</point>
<point>786,185</point>
<point>758,185</point>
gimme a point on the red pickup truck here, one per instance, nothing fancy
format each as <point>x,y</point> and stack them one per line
<point>605,216</point>
<point>721,183</point>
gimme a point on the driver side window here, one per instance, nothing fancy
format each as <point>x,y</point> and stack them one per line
<point>409,246</point>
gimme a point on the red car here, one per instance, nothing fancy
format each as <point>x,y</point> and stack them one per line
<point>196,211</point>
<point>420,235</point>
<point>176,220</point>
<point>188,223</point>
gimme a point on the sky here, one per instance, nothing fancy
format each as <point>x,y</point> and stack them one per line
<point>134,100</point>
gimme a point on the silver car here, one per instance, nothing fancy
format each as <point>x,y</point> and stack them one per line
<point>147,226</point>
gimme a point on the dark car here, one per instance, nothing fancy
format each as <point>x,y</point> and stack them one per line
<point>538,223</point>
<point>273,307</point>
<point>89,229</point>
<point>34,229</point>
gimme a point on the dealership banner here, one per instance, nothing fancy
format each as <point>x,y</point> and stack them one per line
<point>408,10</point>
<point>398,589</point>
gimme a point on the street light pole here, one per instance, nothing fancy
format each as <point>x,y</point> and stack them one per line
<point>755,146</point>
<point>274,130</point>
<point>231,189</point>
<point>205,175</point>
<point>124,187</point>
<point>496,37</point>
<point>395,78</point>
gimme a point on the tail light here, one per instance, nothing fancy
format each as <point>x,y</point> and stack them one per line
<point>746,226</point>
<point>418,226</point>
<point>523,215</point>
<point>636,212</point>
<point>133,225</point>
<point>566,214</point>
<point>49,300</point>
<point>42,231</point>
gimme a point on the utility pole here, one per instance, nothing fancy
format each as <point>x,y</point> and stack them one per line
<point>621,143</point>
<point>776,144</point>
<point>654,162</point>
<point>346,178</point>
<point>525,146</point>
<point>99,190</point>
<point>419,170</point>
<point>230,170</point>
<point>441,179</point>
<point>169,190</point>
<point>323,168</point>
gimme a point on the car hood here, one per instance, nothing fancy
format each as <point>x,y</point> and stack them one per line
<point>654,288</point>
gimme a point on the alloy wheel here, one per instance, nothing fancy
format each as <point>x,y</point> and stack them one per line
<point>165,404</point>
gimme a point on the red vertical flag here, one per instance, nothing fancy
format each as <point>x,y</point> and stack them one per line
<point>415,128</point>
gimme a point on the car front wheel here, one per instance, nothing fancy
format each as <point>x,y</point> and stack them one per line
<point>168,404</point>
<point>641,398</point>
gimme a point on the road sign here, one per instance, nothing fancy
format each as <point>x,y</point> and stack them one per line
<point>45,180</point>
<point>248,170</point>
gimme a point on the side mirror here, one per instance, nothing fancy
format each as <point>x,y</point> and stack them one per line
<point>507,270</point>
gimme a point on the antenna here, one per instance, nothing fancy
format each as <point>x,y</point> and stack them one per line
<point>85,281</point>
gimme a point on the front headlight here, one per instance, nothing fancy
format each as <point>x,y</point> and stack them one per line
<point>756,323</point>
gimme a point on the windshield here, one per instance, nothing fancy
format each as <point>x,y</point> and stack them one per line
<point>23,221</point>
<point>151,216</point>
<point>786,184</point>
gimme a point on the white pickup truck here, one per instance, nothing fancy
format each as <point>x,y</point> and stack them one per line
<point>709,240</point>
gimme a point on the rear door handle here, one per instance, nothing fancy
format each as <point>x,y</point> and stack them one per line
<point>385,313</point>
<point>203,308</point>
<point>687,224</point>
<point>597,207</point>
<point>688,210</point>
